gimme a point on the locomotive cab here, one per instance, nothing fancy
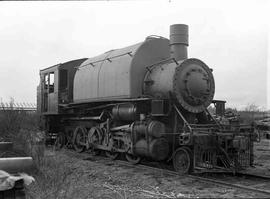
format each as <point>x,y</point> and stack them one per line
<point>49,93</point>
<point>56,87</point>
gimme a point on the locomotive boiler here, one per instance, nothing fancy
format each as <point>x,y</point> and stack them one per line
<point>147,100</point>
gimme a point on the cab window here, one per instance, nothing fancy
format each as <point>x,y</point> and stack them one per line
<point>51,82</point>
<point>46,83</point>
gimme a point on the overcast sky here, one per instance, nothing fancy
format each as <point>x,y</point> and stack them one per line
<point>230,36</point>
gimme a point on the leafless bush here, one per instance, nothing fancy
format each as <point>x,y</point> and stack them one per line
<point>251,113</point>
<point>33,144</point>
<point>11,122</point>
<point>21,128</point>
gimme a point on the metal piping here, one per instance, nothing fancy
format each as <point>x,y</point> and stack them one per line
<point>17,164</point>
<point>179,41</point>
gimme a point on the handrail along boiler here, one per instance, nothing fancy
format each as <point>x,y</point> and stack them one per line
<point>148,100</point>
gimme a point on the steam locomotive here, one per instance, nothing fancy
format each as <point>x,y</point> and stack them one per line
<point>146,100</point>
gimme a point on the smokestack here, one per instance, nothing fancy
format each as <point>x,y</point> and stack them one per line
<point>179,41</point>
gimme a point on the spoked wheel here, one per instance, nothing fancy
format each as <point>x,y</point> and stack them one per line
<point>94,138</point>
<point>60,141</point>
<point>79,139</point>
<point>182,160</point>
<point>69,140</point>
<point>133,159</point>
<point>111,155</point>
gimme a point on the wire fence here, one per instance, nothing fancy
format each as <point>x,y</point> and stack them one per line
<point>17,106</point>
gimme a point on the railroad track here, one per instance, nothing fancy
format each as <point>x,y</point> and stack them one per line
<point>206,179</point>
<point>243,181</point>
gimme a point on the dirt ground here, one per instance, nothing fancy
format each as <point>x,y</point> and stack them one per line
<point>63,175</point>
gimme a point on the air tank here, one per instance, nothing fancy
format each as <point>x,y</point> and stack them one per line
<point>125,112</point>
<point>156,149</point>
<point>148,128</point>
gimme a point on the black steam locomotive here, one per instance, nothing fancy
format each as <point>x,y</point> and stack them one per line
<point>148,101</point>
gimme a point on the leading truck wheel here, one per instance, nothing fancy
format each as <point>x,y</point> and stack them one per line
<point>133,159</point>
<point>79,139</point>
<point>182,160</point>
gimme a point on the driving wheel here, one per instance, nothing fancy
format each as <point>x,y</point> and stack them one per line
<point>79,139</point>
